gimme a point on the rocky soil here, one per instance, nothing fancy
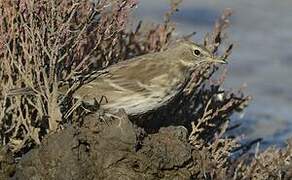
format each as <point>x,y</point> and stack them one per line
<point>114,149</point>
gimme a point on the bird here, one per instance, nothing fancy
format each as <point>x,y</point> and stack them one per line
<point>147,82</point>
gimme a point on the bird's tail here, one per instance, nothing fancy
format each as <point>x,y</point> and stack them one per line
<point>20,91</point>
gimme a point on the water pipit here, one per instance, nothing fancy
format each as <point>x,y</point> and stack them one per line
<point>146,82</point>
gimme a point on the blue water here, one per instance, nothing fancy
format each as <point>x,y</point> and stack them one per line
<point>262,58</point>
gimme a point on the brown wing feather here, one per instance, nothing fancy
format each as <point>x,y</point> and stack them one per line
<point>122,79</point>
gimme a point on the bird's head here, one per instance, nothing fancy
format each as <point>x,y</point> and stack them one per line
<point>192,54</point>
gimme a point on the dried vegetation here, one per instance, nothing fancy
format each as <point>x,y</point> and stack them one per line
<point>46,44</point>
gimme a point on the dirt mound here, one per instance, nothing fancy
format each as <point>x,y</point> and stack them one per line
<point>109,150</point>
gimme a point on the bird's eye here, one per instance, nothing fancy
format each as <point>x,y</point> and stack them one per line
<point>197,52</point>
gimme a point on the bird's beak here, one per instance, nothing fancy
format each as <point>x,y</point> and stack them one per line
<point>217,60</point>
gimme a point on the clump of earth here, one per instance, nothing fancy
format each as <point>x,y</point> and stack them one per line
<point>114,149</point>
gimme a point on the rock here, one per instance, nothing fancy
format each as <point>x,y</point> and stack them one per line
<point>114,149</point>
<point>7,163</point>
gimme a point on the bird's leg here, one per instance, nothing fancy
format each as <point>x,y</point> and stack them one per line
<point>103,98</point>
<point>107,116</point>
